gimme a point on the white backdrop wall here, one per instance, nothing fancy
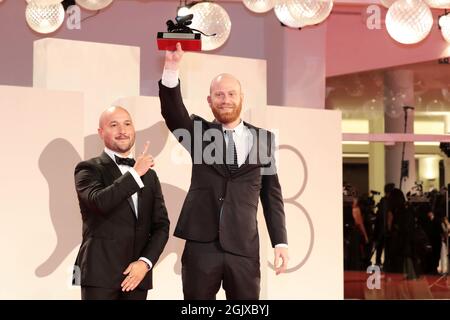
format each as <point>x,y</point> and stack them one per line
<point>41,235</point>
<point>41,224</point>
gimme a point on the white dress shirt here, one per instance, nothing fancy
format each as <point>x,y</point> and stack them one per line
<point>124,169</point>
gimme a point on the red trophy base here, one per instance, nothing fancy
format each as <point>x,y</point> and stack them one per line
<point>188,41</point>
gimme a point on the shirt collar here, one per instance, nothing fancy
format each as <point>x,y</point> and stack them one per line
<point>238,130</point>
<point>112,154</point>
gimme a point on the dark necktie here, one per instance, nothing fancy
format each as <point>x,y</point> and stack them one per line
<point>231,155</point>
<point>125,161</point>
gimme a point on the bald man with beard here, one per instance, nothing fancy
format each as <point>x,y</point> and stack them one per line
<point>233,167</point>
<point>125,223</point>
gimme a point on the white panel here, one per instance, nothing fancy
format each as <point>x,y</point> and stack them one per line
<point>41,223</point>
<point>103,72</point>
<point>310,171</point>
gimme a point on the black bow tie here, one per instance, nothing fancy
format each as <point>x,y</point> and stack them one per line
<point>125,161</point>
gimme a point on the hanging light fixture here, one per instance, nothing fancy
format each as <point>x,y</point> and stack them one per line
<point>284,15</point>
<point>259,6</point>
<point>300,13</point>
<point>310,12</point>
<point>438,4</point>
<point>211,19</point>
<point>44,2</point>
<point>444,25</point>
<point>44,18</point>
<point>409,21</point>
<point>183,8</point>
<point>93,4</point>
<point>387,3</point>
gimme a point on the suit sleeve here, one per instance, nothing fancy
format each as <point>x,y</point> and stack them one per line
<point>97,197</point>
<point>173,109</point>
<point>272,200</point>
<point>159,230</point>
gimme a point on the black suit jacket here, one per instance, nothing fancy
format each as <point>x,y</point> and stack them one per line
<point>112,235</point>
<point>220,205</point>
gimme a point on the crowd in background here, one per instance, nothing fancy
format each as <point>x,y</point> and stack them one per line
<point>401,234</point>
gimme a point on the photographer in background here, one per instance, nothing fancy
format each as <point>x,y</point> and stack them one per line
<point>355,235</point>
<point>381,224</point>
<point>366,204</point>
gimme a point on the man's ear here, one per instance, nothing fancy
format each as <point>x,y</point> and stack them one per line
<point>209,101</point>
<point>100,133</point>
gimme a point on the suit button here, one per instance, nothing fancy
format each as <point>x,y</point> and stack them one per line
<point>221,199</point>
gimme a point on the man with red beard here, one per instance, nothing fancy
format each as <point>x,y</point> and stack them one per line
<point>125,223</point>
<point>233,166</point>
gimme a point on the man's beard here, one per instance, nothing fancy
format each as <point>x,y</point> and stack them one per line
<point>124,148</point>
<point>228,117</point>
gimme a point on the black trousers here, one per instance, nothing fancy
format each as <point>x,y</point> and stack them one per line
<point>206,266</point>
<point>94,293</point>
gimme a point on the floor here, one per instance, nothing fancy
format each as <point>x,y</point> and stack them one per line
<point>394,286</point>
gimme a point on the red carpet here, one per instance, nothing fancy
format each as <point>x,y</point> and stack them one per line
<point>395,286</point>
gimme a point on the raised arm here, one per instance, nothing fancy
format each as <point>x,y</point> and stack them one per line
<point>172,107</point>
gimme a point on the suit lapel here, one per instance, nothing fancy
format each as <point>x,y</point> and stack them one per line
<point>113,169</point>
<point>252,156</point>
<point>130,202</point>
